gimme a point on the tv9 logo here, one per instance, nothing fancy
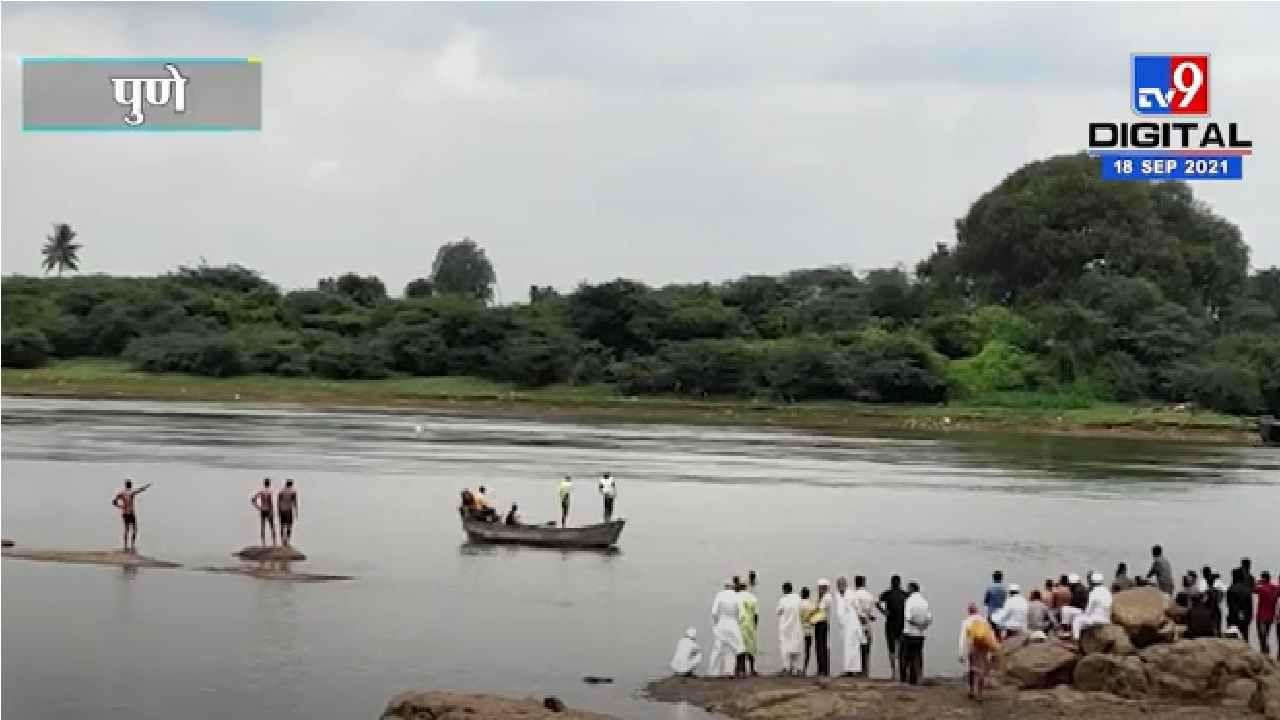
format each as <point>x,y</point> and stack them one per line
<point>1170,85</point>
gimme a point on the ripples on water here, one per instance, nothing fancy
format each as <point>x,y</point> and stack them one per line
<point>431,611</point>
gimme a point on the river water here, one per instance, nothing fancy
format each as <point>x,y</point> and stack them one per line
<point>428,611</point>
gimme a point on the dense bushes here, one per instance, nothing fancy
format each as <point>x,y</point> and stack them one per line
<point>25,348</point>
<point>1059,289</point>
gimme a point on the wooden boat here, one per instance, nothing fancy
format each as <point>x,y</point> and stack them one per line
<point>603,535</point>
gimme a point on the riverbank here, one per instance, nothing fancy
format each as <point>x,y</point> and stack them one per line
<point>113,380</point>
<point>784,698</point>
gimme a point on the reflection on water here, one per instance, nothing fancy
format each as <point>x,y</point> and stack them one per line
<point>430,610</point>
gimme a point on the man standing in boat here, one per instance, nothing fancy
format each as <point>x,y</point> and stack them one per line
<point>566,489</point>
<point>287,506</point>
<point>262,502</point>
<point>124,499</point>
<point>609,489</point>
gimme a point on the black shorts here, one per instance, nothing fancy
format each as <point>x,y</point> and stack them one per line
<point>286,517</point>
<point>265,514</point>
<point>130,519</point>
<point>892,636</point>
<point>564,503</point>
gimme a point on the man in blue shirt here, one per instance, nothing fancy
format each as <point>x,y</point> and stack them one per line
<point>993,600</point>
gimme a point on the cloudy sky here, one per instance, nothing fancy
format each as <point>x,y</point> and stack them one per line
<point>667,143</point>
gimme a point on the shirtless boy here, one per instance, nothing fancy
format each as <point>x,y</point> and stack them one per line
<point>287,506</point>
<point>124,501</point>
<point>262,502</point>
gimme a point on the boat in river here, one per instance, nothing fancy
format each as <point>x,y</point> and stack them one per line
<point>601,536</point>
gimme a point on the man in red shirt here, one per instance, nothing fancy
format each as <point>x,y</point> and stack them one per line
<point>1267,593</point>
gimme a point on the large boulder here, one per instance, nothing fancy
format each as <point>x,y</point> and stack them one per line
<point>1110,639</point>
<point>1203,667</point>
<point>1121,675</point>
<point>438,705</point>
<point>1141,612</point>
<point>1040,665</point>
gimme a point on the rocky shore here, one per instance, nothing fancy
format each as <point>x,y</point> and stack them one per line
<point>452,705</point>
<point>1136,667</point>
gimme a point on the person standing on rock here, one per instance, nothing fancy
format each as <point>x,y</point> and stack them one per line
<point>1240,603</point>
<point>1161,570</point>
<point>994,598</point>
<point>918,619</point>
<point>822,626</point>
<point>1098,609</point>
<point>608,490</point>
<point>790,633</point>
<point>892,602</point>
<point>565,490</point>
<point>262,502</point>
<point>1268,593</point>
<point>124,500</point>
<point>851,631</point>
<point>865,605</point>
<point>287,507</point>
<point>725,632</point>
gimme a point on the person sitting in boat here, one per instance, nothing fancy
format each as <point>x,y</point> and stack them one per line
<point>484,510</point>
<point>513,517</point>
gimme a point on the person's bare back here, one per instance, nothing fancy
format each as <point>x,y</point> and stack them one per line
<point>125,500</point>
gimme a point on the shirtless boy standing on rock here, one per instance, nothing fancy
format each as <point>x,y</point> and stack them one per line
<point>124,501</point>
<point>262,502</point>
<point>287,506</point>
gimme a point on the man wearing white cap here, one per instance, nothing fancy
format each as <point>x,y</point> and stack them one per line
<point>1012,617</point>
<point>1071,611</point>
<point>725,630</point>
<point>1098,611</point>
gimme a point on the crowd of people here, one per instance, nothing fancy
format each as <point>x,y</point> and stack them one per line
<point>480,506</point>
<point>806,623</point>
<point>1060,611</point>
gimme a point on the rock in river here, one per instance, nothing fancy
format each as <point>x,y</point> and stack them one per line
<point>447,705</point>
<point>269,552</point>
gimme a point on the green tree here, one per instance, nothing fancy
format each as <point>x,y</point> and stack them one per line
<point>461,268</point>
<point>24,348</point>
<point>419,288</point>
<point>60,250</point>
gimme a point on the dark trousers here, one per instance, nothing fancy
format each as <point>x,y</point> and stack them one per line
<point>823,651</point>
<point>912,662</point>
<point>1264,636</point>
<point>893,641</point>
<point>1241,624</point>
<point>808,647</point>
<point>608,508</point>
<point>866,654</point>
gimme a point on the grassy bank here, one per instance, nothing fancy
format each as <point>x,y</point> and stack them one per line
<point>1035,414</point>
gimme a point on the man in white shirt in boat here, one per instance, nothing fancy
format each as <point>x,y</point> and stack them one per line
<point>609,489</point>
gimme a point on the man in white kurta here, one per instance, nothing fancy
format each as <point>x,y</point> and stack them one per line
<point>1098,611</point>
<point>688,655</point>
<point>790,630</point>
<point>850,629</point>
<point>725,631</point>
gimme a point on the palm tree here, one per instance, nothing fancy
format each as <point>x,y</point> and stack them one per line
<point>60,252</point>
